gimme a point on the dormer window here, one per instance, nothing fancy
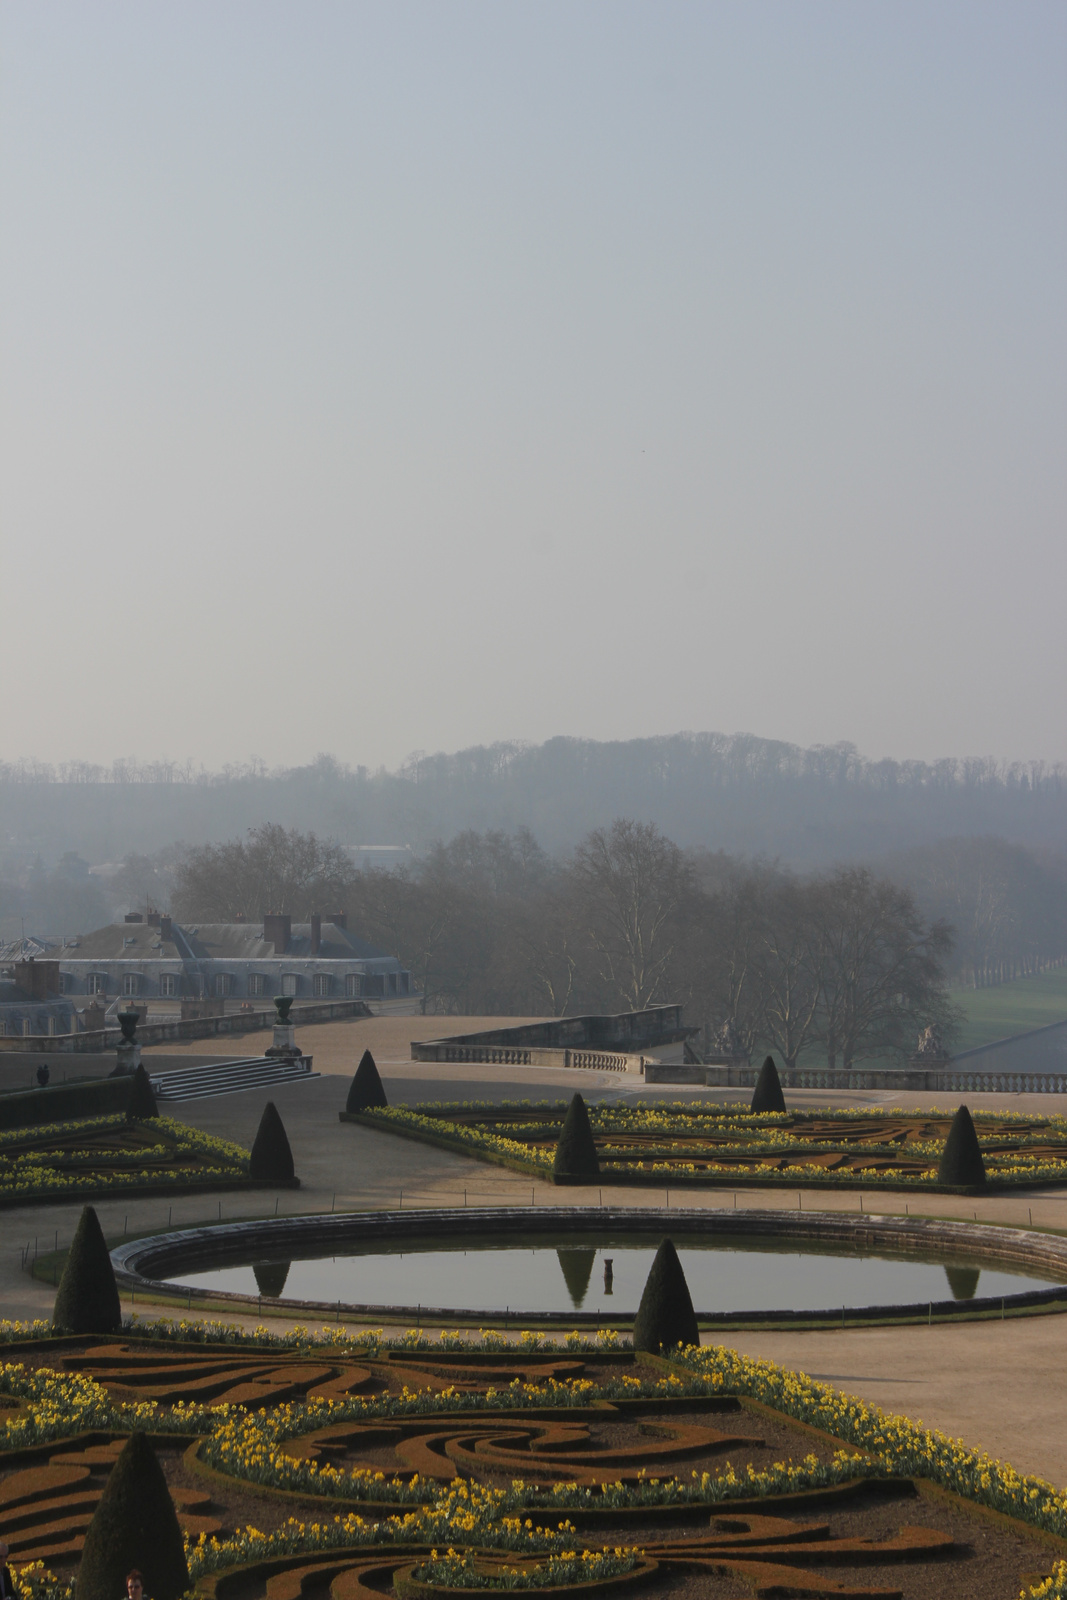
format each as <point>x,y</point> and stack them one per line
<point>131,983</point>
<point>96,983</point>
<point>223,985</point>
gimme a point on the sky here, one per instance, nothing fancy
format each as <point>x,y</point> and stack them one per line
<point>406,376</point>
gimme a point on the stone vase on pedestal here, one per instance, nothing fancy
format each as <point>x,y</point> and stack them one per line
<point>284,1041</point>
<point>128,1048</point>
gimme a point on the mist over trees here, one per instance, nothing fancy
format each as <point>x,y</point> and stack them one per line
<point>841,962</point>
<point>273,869</point>
<point>748,796</point>
<point>1007,904</point>
<point>980,845</point>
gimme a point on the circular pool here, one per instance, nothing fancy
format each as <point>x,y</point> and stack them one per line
<point>576,1265</point>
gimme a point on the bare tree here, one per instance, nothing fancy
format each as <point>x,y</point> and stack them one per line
<point>882,966</point>
<point>792,970</point>
<point>272,869</point>
<point>630,882</point>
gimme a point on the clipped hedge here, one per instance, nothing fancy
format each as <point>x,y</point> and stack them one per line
<point>367,1092</point>
<point>665,1318</point>
<point>576,1160</point>
<point>134,1525</point>
<point>271,1159</point>
<point>961,1163</point>
<point>768,1095</point>
<point>64,1102</point>
<point>87,1300</point>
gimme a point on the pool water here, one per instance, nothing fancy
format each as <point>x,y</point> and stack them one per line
<point>608,1277</point>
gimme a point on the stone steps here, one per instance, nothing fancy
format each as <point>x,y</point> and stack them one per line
<point>231,1077</point>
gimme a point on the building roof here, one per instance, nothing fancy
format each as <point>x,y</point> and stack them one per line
<point>215,941</point>
<point>244,941</point>
<point>131,941</point>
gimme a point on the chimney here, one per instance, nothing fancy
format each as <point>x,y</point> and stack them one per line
<point>133,916</point>
<point>316,933</point>
<point>164,928</point>
<point>153,917</point>
<point>339,919</point>
<point>277,928</point>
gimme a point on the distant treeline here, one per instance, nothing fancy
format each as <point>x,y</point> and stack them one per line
<point>750,797</point>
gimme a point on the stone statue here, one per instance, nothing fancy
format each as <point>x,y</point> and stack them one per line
<point>930,1045</point>
<point>727,1042</point>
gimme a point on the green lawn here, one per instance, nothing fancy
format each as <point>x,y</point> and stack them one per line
<point>1011,1007</point>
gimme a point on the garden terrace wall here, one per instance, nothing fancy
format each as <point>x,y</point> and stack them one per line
<point>913,1079</point>
<point>97,1041</point>
<point>139,1263</point>
<point>540,1043</point>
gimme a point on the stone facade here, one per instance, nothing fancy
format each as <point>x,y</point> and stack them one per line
<point>158,959</point>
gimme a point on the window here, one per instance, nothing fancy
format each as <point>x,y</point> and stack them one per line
<point>257,983</point>
<point>66,983</point>
<point>223,985</point>
<point>131,983</point>
<point>321,985</point>
<point>169,985</point>
<point>289,982</point>
<point>354,985</point>
<point>96,983</point>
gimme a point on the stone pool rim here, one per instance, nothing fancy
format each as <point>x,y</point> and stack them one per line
<point>138,1263</point>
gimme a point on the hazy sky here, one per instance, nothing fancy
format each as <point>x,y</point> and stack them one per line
<point>399,376</point>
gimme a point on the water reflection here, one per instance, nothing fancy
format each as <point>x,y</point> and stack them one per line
<point>963,1281</point>
<point>576,1265</point>
<point>270,1277</point>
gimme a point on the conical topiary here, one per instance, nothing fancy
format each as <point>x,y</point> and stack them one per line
<point>271,1157</point>
<point>134,1525</point>
<point>142,1102</point>
<point>576,1160</point>
<point>87,1300</point>
<point>366,1091</point>
<point>767,1095</point>
<point>665,1318</point>
<point>961,1162</point>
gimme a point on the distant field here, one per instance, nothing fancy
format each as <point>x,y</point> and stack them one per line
<point>1011,1008</point>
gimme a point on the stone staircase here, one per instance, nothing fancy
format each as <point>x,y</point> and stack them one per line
<point>231,1077</point>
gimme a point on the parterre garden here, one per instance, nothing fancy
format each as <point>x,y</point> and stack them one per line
<point>126,1146</point>
<point>355,1468</point>
<point>104,1155</point>
<point>314,1465</point>
<point>731,1146</point>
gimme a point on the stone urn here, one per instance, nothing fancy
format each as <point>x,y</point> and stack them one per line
<point>284,1044</point>
<point>128,1020</point>
<point>128,1049</point>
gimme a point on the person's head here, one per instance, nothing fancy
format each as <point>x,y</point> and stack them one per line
<point>134,1585</point>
